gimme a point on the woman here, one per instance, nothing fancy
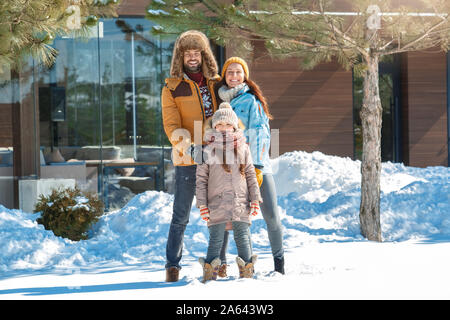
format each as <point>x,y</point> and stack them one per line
<point>251,107</point>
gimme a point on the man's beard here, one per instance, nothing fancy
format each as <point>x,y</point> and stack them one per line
<point>193,69</point>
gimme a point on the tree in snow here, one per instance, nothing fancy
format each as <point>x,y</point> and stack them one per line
<point>28,27</point>
<point>316,32</point>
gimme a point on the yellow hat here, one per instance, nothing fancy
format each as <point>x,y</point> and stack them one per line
<point>235,60</point>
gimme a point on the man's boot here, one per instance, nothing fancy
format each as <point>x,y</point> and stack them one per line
<point>172,274</point>
<point>209,270</point>
<point>246,270</point>
<point>279,264</point>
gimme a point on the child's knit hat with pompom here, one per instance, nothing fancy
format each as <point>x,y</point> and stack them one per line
<point>225,114</point>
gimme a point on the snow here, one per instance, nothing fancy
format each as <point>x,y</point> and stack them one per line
<point>157,12</point>
<point>326,257</point>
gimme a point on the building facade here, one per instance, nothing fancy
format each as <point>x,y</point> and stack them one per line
<point>94,118</point>
<point>318,110</point>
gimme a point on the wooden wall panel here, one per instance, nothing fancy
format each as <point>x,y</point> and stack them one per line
<point>133,7</point>
<point>427,109</point>
<point>6,136</point>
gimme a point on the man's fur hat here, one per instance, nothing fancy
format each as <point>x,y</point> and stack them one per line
<point>193,40</point>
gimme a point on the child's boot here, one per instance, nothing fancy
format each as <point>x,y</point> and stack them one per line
<point>209,270</point>
<point>246,270</point>
<point>223,270</point>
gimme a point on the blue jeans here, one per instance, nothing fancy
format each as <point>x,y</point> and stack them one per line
<point>269,210</point>
<point>241,232</point>
<point>182,204</point>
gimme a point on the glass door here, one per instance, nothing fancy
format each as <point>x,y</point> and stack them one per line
<point>133,65</point>
<point>389,84</point>
<point>100,111</point>
<point>69,109</point>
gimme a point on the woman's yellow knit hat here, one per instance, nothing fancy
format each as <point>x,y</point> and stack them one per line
<point>235,60</point>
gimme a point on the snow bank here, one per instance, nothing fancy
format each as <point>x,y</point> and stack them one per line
<point>321,195</point>
<point>415,203</point>
<point>318,198</point>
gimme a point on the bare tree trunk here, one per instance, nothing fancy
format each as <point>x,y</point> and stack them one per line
<point>369,214</point>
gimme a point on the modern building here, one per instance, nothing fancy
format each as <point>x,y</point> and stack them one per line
<point>94,118</point>
<point>319,109</point>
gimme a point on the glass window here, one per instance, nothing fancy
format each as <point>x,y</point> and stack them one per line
<point>69,113</point>
<point>6,139</point>
<point>18,134</point>
<point>100,110</point>
<point>93,118</point>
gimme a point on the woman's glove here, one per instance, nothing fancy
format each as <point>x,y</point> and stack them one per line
<point>254,208</point>
<point>204,213</point>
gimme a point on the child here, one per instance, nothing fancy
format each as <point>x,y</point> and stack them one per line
<point>227,190</point>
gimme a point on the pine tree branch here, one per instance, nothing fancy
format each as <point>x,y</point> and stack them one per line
<point>353,23</point>
<point>299,40</point>
<point>437,25</point>
<point>340,33</point>
<point>211,5</point>
<point>387,45</point>
<point>32,24</point>
<point>305,28</point>
<point>254,35</point>
<point>410,45</point>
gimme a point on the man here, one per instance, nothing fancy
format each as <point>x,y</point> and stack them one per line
<point>187,97</point>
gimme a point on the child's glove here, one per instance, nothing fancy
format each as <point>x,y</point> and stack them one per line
<point>259,176</point>
<point>254,208</point>
<point>204,213</point>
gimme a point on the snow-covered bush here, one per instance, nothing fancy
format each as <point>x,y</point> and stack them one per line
<point>69,212</point>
